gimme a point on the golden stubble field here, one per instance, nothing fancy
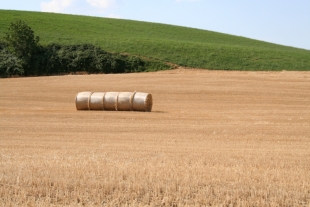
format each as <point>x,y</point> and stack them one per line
<point>214,138</point>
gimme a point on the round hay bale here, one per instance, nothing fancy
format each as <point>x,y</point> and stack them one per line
<point>124,101</point>
<point>142,102</point>
<point>82,100</point>
<point>110,101</point>
<point>96,101</point>
<point>114,101</point>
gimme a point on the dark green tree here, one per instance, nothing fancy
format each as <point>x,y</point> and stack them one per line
<point>22,43</point>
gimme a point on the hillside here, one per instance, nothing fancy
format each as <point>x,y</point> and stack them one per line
<point>180,45</point>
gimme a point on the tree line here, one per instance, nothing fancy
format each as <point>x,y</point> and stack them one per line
<point>21,54</point>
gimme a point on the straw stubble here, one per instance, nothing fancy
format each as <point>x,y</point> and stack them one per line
<point>230,139</point>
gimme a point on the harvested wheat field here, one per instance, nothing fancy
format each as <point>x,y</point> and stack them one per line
<point>213,138</point>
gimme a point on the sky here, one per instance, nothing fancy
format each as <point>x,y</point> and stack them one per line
<point>285,22</point>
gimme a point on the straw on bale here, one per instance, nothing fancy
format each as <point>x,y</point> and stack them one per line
<point>124,101</point>
<point>110,101</point>
<point>96,101</point>
<point>114,101</point>
<point>142,102</point>
<point>82,100</point>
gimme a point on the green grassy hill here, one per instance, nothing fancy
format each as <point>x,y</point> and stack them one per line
<point>180,45</point>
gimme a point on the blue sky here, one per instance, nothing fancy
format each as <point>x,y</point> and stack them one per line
<point>285,22</point>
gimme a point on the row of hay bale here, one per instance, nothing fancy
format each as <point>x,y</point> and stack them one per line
<point>114,101</point>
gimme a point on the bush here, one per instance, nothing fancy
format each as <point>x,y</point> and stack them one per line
<point>21,54</point>
<point>10,64</point>
<point>59,59</point>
